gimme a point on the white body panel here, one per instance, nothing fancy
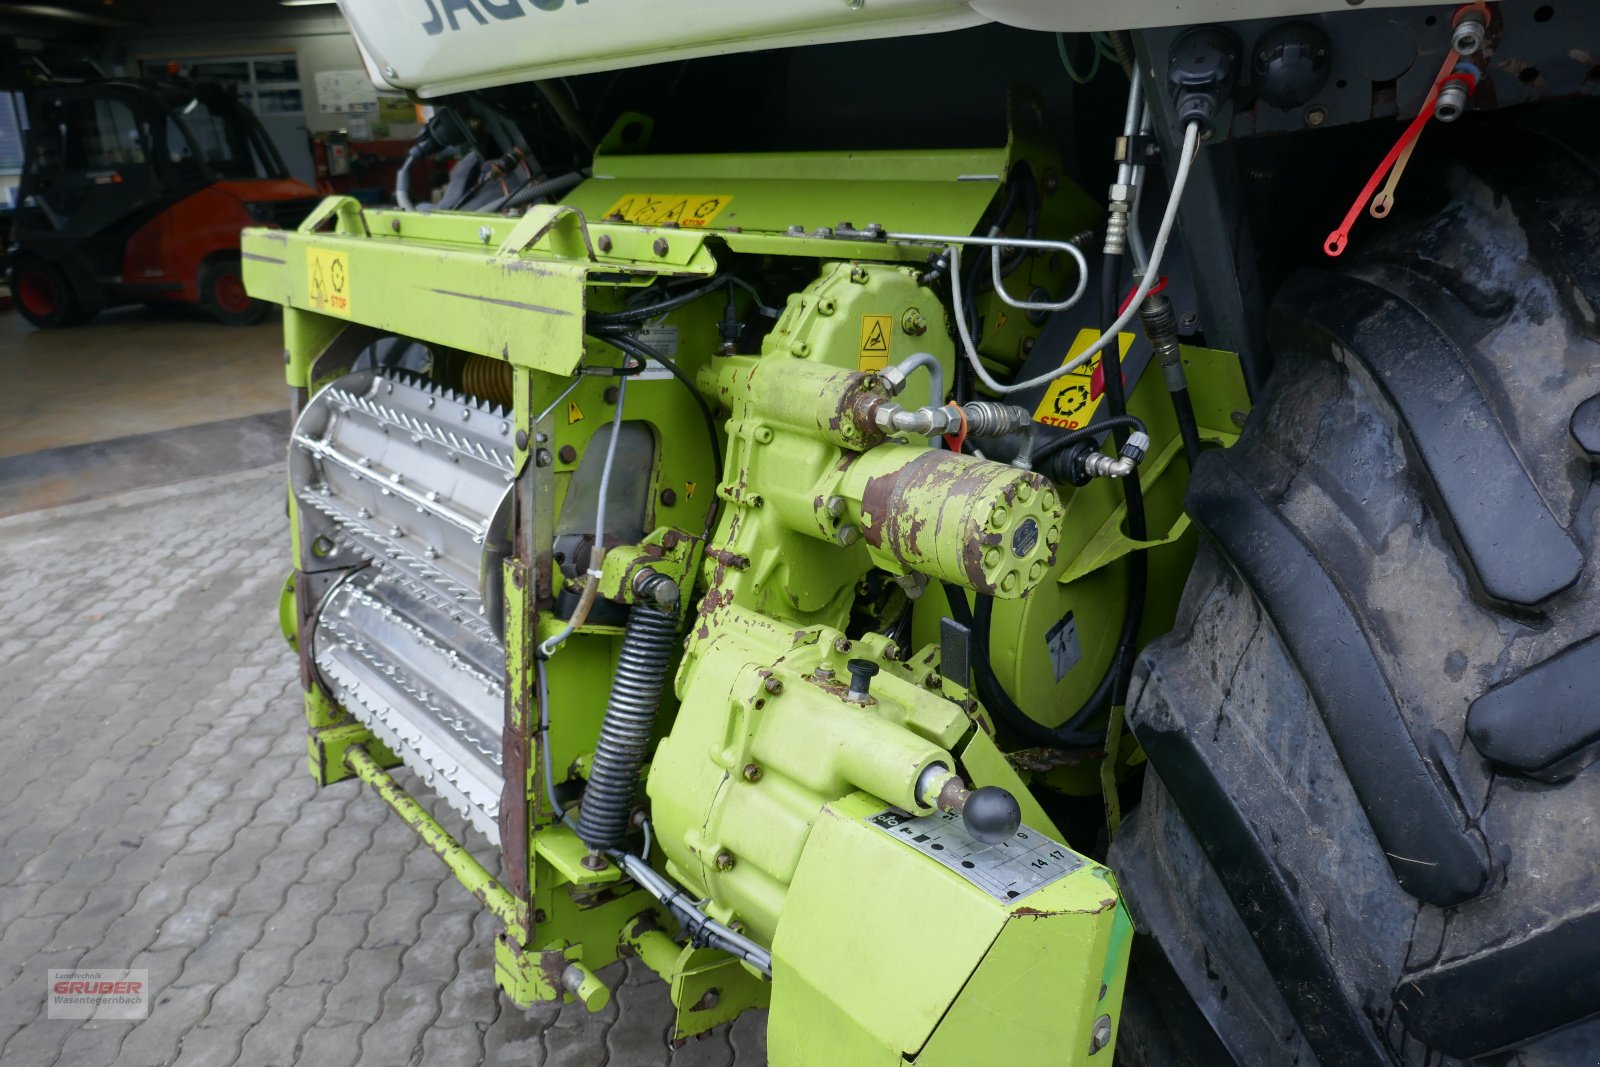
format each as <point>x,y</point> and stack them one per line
<point>436,47</point>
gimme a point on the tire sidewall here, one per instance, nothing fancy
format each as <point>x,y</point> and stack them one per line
<point>223,295</point>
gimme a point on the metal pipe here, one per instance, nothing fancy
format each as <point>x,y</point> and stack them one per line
<point>895,377</point>
<point>1191,145</point>
<point>472,874</point>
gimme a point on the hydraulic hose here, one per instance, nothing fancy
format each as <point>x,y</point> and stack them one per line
<point>402,181</point>
<point>1017,722</point>
<point>1133,492</point>
<point>642,668</point>
<point>548,187</point>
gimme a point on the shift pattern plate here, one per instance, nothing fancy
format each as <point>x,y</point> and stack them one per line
<point>1007,871</point>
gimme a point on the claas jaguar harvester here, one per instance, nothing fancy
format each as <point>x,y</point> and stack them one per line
<point>996,531</point>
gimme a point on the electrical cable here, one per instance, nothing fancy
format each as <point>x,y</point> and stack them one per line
<point>597,553</point>
<point>630,343</point>
<point>1066,60</point>
<point>1191,145</point>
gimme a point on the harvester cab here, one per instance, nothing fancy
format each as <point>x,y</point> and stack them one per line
<point>137,190</point>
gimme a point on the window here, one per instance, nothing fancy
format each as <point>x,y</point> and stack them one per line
<point>11,127</point>
<point>89,134</point>
<point>267,85</point>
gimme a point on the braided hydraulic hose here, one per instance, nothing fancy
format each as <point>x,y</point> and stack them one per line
<point>642,667</point>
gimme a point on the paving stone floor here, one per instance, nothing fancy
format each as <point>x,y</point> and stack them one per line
<point>155,813</point>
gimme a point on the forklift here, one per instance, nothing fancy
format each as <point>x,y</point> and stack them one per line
<point>136,190</point>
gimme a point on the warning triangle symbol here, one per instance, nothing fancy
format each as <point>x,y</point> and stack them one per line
<point>876,341</point>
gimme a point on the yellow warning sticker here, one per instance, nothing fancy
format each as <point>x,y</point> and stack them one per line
<point>688,489</point>
<point>328,281</point>
<point>875,333</point>
<point>574,412</point>
<point>658,209</point>
<point>1070,401</point>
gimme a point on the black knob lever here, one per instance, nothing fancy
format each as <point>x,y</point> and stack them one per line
<point>991,814</point>
<point>861,674</point>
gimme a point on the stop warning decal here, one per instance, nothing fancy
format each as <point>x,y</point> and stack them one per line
<point>1070,401</point>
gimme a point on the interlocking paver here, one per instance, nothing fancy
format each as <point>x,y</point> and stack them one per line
<point>281,924</point>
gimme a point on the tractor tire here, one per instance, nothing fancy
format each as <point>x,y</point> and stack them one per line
<point>1369,834</point>
<point>47,295</point>
<point>223,295</point>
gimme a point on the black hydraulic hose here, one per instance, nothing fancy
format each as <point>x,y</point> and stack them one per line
<point>1084,433</point>
<point>1133,493</point>
<point>634,316</point>
<point>1188,429</point>
<point>995,698</point>
<point>645,661</point>
<point>635,347</point>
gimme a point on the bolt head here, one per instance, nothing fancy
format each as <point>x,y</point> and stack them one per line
<point>773,686</point>
<point>1100,1036</point>
<point>725,860</point>
<point>848,535</point>
<point>568,454</point>
<point>542,458</point>
<point>752,773</point>
<point>1316,115</point>
<point>660,246</point>
<point>522,439</point>
<point>484,233</point>
<point>604,243</point>
<point>388,72</point>
<point>841,644</point>
<point>668,498</point>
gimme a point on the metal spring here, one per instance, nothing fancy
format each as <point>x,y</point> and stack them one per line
<point>642,668</point>
<point>487,379</point>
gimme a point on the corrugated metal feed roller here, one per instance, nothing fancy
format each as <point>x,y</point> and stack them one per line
<point>416,481</point>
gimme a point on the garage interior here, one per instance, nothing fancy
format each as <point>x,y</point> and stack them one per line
<point>142,551</point>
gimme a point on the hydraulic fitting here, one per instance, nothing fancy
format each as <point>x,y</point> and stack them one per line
<point>1084,462</point>
<point>1161,328</point>
<point>1452,101</point>
<point>1469,33</point>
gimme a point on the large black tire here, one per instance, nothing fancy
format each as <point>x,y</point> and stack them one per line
<point>1370,836</point>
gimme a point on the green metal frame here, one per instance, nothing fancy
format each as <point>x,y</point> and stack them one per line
<point>517,291</point>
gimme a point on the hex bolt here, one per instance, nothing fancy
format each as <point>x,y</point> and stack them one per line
<point>725,860</point>
<point>568,454</point>
<point>484,233</point>
<point>752,772</point>
<point>541,458</point>
<point>914,322</point>
<point>773,686</point>
<point>668,498</point>
<point>841,644</point>
<point>824,673</point>
<point>604,243</point>
<point>660,246</point>
<point>848,535</point>
<point>835,506</point>
<point>1316,115</point>
<point>1100,1037</point>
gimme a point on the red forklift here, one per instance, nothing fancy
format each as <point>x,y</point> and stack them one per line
<point>135,191</point>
